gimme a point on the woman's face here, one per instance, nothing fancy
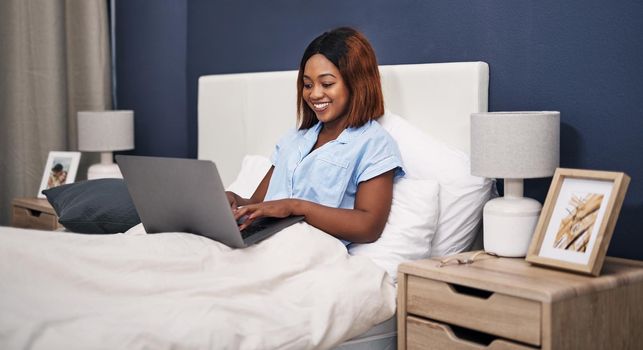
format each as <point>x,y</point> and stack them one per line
<point>324,89</point>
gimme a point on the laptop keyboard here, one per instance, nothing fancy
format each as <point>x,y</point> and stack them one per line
<point>252,229</point>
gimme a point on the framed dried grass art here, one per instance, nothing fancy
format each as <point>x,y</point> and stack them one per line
<point>578,219</point>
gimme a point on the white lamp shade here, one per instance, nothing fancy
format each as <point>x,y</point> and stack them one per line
<point>516,145</point>
<point>103,131</point>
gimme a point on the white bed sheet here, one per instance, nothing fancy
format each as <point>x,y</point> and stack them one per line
<point>298,289</point>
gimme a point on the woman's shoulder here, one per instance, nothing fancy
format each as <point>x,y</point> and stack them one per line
<point>374,140</point>
<point>375,131</point>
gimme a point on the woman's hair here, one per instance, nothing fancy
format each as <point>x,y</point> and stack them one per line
<point>58,167</point>
<point>355,59</point>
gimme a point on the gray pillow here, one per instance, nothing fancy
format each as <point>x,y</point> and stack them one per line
<point>94,206</point>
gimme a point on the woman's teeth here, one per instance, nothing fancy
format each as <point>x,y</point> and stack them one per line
<point>321,105</point>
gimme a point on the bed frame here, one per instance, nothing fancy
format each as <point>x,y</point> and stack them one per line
<point>246,113</point>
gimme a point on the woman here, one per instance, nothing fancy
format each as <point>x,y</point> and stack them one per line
<point>337,169</point>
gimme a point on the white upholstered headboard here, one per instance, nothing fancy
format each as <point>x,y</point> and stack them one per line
<point>246,113</point>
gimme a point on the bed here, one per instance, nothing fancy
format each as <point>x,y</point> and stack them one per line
<point>298,289</point>
<point>436,98</point>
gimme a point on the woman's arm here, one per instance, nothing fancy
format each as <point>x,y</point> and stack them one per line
<point>362,224</point>
<point>257,197</point>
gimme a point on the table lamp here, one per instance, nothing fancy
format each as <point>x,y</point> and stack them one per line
<point>513,146</point>
<point>105,132</point>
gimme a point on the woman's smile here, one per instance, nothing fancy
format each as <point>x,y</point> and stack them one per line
<point>320,107</point>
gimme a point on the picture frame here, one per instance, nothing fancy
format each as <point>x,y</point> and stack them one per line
<point>578,219</point>
<point>60,169</point>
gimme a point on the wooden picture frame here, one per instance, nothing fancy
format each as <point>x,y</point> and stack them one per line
<point>578,219</point>
<point>60,169</point>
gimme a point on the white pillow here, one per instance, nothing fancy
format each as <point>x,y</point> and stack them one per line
<point>462,195</point>
<point>410,227</point>
<point>253,169</point>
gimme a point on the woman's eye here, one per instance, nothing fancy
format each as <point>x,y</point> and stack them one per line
<point>308,86</point>
<point>327,85</point>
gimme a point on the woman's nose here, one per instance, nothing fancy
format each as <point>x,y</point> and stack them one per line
<point>316,92</point>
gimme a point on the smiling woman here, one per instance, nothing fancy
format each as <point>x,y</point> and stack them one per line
<point>336,169</point>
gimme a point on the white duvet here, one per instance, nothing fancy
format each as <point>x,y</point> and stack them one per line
<point>298,289</point>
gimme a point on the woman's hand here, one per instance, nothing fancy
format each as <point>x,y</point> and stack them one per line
<point>234,200</point>
<point>237,201</point>
<point>277,209</point>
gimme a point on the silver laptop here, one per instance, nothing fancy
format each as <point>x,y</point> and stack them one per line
<point>186,195</point>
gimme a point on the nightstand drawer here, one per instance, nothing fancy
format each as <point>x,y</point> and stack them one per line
<point>426,335</point>
<point>479,310</point>
<point>33,218</point>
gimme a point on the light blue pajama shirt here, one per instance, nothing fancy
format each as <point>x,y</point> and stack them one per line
<point>330,174</point>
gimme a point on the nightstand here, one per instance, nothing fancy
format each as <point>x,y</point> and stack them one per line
<point>33,213</point>
<point>506,303</point>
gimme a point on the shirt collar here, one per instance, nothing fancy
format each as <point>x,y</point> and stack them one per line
<point>345,137</point>
<point>351,133</point>
<point>308,141</point>
<point>312,133</point>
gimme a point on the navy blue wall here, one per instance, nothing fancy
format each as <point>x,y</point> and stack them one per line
<point>581,57</point>
<point>151,42</point>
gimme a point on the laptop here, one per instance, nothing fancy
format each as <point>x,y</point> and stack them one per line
<point>186,195</point>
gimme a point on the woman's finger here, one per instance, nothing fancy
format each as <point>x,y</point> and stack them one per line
<point>241,212</point>
<point>256,213</point>
<point>245,224</point>
<point>249,220</point>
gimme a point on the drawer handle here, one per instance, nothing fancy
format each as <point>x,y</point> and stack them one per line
<point>468,335</point>
<point>34,213</point>
<point>474,292</point>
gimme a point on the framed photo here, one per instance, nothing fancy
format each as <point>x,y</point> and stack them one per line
<point>60,169</point>
<point>578,219</point>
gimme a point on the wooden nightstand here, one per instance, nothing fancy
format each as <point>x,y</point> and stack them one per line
<point>504,303</point>
<point>33,213</point>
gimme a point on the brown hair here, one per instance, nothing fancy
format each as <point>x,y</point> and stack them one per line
<point>355,59</point>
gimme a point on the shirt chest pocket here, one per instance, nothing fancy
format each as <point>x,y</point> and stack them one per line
<point>329,179</point>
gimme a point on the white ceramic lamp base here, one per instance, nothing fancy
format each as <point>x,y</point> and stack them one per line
<point>509,224</point>
<point>105,169</point>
